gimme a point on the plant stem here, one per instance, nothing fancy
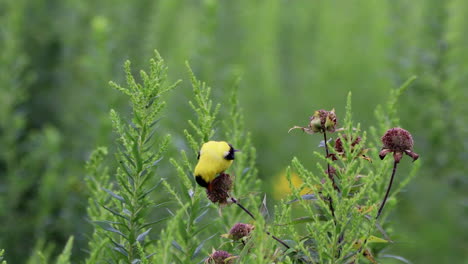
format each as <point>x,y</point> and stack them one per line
<point>330,176</point>
<point>242,207</point>
<point>234,200</point>
<point>395,163</point>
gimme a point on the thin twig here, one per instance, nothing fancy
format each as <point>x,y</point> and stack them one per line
<point>395,163</point>
<point>234,200</point>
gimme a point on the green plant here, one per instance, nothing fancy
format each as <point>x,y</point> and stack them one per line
<point>1,256</point>
<point>139,154</point>
<point>340,223</point>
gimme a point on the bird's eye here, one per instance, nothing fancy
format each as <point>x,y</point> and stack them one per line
<point>198,156</point>
<point>230,154</point>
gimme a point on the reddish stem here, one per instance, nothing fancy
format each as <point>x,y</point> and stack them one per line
<point>395,163</point>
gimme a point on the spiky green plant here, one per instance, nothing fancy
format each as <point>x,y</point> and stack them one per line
<point>339,216</point>
<point>181,241</point>
<point>138,156</point>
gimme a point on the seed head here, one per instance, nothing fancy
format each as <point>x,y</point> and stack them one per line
<point>339,143</point>
<point>320,122</point>
<point>398,141</point>
<point>340,150</point>
<point>240,230</point>
<point>220,257</point>
<point>220,188</point>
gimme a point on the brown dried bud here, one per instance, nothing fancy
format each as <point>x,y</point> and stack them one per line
<point>240,230</point>
<point>220,188</point>
<point>398,141</point>
<point>220,257</point>
<point>339,143</point>
<point>320,122</point>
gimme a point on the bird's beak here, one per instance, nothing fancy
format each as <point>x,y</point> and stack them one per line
<point>237,150</point>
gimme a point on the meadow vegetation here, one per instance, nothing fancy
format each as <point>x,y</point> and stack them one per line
<point>92,172</point>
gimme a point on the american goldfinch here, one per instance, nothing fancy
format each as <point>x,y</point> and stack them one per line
<point>214,158</point>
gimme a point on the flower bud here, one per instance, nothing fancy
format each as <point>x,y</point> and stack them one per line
<point>323,120</point>
<point>220,257</point>
<point>240,230</point>
<point>320,122</point>
<point>339,143</point>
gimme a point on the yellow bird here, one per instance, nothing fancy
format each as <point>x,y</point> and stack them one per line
<point>214,158</point>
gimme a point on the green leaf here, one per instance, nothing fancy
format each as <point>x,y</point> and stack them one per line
<point>200,246</point>
<point>177,246</point>
<point>141,237</point>
<point>116,196</point>
<point>115,213</point>
<point>153,223</point>
<point>137,156</point>
<point>145,193</point>
<point>113,230</point>
<point>402,259</point>
<point>64,257</point>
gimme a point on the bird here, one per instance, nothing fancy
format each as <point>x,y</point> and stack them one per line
<point>214,158</point>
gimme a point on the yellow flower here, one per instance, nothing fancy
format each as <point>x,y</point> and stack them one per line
<point>281,186</point>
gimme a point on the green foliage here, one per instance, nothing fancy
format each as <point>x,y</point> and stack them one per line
<point>340,223</point>
<point>43,255</point>
<point>181,240</point>
<point>1,256</point>
<point>98,179</point>
<point>294,56</point>
<point>64,257</point>
<point>128,226</point>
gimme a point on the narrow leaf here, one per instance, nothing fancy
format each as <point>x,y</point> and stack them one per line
<point>176,245</point>
<point>141,237</point>
<point>111,229</point>
<point>121,251</point>
<point>402,259</point>
<point>116,196</point>
<point>199,248</point>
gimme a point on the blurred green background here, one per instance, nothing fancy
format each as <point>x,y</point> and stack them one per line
<point>294,57</point>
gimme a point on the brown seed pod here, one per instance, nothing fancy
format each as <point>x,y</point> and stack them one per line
<point>220,257</point>
<point>240,230</point>
<point>220,188</point>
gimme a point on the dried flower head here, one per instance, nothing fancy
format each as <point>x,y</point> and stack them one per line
<point>339,143</point>
<point>220,188</point>
<point>220,257</point>
<point>320,122</point>
<point>340,150</point>
<point>398,141</point>
<point>240,230</point>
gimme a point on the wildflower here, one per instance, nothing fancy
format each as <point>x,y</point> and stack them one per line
<point>221,186</point>
<point>398,141</point>
<point>239,231</point>
<point>321,122</point>
<point>220,257</point>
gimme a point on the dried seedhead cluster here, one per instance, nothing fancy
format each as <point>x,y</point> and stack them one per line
<point>220,188</point>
